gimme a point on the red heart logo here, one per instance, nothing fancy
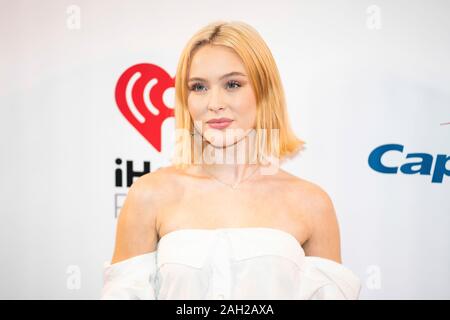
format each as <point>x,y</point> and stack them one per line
<point>139,96</point>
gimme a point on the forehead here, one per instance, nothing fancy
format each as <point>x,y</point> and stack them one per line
<point>214,61</point>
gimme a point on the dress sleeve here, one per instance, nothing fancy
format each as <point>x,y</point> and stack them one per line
<point>324,279</point>
<point>131,279</point>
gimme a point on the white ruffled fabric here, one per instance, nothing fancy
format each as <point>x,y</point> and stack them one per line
<point>229,263</point>
<point>131,279</point>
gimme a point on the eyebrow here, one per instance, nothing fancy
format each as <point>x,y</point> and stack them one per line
<point>234,73</point>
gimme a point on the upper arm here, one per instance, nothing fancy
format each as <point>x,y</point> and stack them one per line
<point>136,231</point>
<point>324,240</point>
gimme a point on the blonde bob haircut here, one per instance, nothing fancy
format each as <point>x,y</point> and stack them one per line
<point>271,113</point>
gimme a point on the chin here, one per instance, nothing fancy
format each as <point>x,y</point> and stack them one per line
<point>225,138</point>
<point>218,142</point>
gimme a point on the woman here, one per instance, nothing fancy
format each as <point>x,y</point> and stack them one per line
<point>224,221</point>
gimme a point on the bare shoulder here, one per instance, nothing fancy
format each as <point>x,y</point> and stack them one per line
<point>310,193</point>
<point>159,186</point>
<point>316,208</point>
<point>159,183</point>
<point>136,231</point>
<point>308,199</point>
<point>313,196</point>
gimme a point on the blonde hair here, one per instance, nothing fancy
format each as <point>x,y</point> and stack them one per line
<point>271,111</point>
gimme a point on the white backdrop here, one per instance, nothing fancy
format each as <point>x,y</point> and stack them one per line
<point>357,74</point>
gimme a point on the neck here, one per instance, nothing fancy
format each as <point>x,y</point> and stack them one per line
<point>230,164</point>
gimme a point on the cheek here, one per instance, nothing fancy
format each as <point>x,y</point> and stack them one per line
<point>193,107</point>
<point>247,106</point>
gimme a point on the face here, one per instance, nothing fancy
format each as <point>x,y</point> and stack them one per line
<point>219,87</point>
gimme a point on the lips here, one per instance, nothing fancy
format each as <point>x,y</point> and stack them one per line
<point>219,123</point>
<point>219,120</point>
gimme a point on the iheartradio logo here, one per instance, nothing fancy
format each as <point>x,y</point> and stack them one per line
<point>139,95</point>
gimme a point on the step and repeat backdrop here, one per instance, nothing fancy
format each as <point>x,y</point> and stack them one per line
<point>367,88</point>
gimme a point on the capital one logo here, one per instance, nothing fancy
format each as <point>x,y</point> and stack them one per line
<point>414,163</point>
<point>139,95</point>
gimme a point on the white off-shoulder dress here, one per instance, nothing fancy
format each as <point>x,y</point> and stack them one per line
<point>228,263</point>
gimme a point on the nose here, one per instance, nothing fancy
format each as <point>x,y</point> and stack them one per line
<point>215,108</point>
<point>214,101</point>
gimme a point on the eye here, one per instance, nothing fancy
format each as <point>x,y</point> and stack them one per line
<point>234,83</point>
<point>195,86</point>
